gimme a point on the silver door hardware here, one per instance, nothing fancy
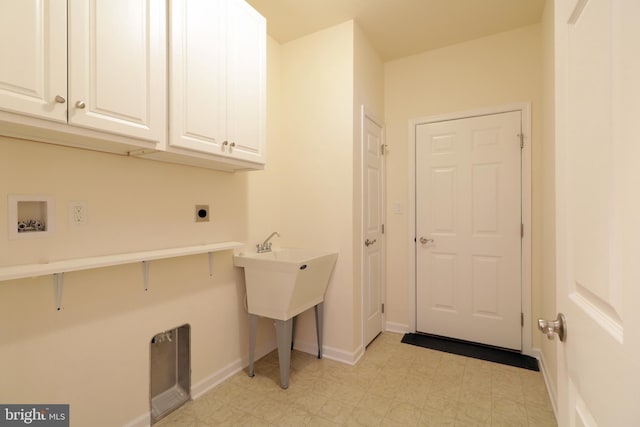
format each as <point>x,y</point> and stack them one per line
<point>59,99</point>
<point>424,240</point>
<point>558,326</point>
<point>80,104</point>
<point>369,242</point>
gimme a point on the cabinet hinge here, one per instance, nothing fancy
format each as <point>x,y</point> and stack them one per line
<point>521,230</point>
<point>382,308</point>
<point>382,228</point>
<point>522,319</point>
<point>383,149</point>
<point>521,136</point>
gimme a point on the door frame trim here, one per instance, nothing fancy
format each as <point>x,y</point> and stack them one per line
<point>525,109</point>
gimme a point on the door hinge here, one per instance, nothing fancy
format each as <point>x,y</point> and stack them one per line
<point>522,319</point>
<point>382,308</point>
<point>521,230</point>
<point>521,136</point>
<point>382,228</point>
<point>383,149</point>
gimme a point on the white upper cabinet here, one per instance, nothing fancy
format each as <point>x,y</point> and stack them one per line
<point>173,80</point>
<point>117,67</point>
<point>33,58</point>
<point>217,83</point>
<point>112,78</point>
<point>197,69</point>
<point>246,82</point>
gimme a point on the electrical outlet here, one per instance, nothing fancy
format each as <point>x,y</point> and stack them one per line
<point>78,213</point>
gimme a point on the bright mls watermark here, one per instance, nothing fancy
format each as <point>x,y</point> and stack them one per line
<point>34,415</point>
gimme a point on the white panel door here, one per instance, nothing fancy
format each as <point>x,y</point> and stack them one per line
<point>198,75</point>
<point>468,216</point>
<point>598,210</point>
<point>117,67</point>
<point>373,219</point>
<point>33,58</point>
<point>246,82</point>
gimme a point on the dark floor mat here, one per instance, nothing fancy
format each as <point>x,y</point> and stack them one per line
<point>477,351</point>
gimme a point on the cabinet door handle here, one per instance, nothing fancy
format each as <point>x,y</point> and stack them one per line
<point>233,144</point>
<point>60,99</point>
<point>225,143</point>
<point>80,104</point>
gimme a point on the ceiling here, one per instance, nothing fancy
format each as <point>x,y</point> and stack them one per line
<point>398,28</point>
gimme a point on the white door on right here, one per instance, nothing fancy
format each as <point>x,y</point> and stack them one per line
<point>597,85</point>
<point>468,229</point>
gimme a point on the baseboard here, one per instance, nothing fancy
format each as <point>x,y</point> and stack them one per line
<point>396,327</point>
<point>332,353</point>
<point>143,420</point>
<point>551,388</point>
<point>226,372</point>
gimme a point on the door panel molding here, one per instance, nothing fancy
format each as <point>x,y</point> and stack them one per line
<point>525,109</point>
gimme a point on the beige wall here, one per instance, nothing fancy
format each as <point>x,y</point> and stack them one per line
<point>94,353</point>
<point>491,71</point>
<point>316,169</point>
<point>548,208</point>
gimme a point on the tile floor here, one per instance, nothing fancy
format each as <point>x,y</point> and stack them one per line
<point>394,384</point>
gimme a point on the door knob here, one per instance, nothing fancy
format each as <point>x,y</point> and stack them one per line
<point>424,240</point>
<point>60,99</point>
<point>558,326</point>
<point>80,104</point>
<point>368,242</point>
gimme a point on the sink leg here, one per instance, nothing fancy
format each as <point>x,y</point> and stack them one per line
<point>293,330</point>
<point>319,317</point>
<point>284,329</point>
<point>253,326</point>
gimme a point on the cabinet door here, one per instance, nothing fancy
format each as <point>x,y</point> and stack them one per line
<point>117,67</point>
<point>33,52</point>
<point>197,75</point>
<point>246,82</point>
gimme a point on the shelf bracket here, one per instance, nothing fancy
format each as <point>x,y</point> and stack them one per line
<point>210,263</point>
<point>58,282</point>
<point>145,274</point>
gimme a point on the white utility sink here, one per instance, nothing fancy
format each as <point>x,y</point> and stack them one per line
<point>285,282</point>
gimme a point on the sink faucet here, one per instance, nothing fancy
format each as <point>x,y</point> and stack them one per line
<point>266,245</point>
